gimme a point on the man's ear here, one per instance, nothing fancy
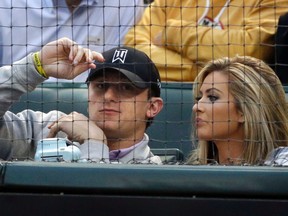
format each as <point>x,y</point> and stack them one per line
<point>155,106</point>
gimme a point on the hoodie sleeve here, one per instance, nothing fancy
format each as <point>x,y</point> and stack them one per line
<point>94,151</point>
<point>16,80</point>
<point>170,64</point>
<point>20,132</point>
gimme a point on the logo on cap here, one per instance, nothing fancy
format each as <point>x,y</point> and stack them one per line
<point>120,55</point>
<point>158,83</point>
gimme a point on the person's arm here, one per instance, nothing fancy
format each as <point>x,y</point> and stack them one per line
<point>60,59</point>
<point>16,80</point>
<point>92,140</point>
<point>78,128</point>
<point>169,63</point>
<point>20,132</point>
<point>130,13</point>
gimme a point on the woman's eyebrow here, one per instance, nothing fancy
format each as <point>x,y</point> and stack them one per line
<point>213,89</point>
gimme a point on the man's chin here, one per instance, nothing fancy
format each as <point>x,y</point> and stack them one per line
<point>109,127</point>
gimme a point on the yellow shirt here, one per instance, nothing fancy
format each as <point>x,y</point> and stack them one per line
<point>193,32</point>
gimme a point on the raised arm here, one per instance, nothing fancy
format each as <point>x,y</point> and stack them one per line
<point>60,59</point>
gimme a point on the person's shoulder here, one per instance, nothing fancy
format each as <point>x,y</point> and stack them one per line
<point>278,157</point>
<point>125,3</point>
<point>6,3</point>
<point>10,4</point>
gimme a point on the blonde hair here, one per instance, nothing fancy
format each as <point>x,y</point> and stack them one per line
<point>260,96</point>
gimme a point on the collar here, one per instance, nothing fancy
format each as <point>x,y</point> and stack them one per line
<point>53,3</point>
<point>89,2</point>
<point>120,153</point>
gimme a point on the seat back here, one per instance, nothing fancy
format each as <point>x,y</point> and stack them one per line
<point>170,129</point>
<point>281,47</point>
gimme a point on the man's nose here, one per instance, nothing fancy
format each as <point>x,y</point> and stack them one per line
<point>111,93</point>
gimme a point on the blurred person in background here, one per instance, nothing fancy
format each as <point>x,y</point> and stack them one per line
<point>25,26</point>
<point>181,36</point>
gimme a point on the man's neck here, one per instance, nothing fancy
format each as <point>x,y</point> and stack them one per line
<point>115,144</point>
<point>72,4</point>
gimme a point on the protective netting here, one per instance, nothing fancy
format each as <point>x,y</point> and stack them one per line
<point>180,37</point>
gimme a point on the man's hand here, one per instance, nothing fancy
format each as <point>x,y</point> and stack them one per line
<point>65,59</point>
<point>78,128</point>
<point>157,41</point>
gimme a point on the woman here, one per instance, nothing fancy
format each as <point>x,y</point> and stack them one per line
<point>240,114</point>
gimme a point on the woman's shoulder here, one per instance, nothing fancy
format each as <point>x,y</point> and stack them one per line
<point>278,157</point>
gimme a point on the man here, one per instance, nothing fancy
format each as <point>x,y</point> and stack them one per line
<point>97,24</point>
<point>124,94</point>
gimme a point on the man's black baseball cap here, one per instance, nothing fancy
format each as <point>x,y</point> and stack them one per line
<point>132,63</point>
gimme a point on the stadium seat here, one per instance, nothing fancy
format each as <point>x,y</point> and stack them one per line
<point>170,129</point>
<point>281,46</point>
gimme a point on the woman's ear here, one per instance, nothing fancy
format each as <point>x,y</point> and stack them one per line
<point>241,118</point>
<point>155,106</point>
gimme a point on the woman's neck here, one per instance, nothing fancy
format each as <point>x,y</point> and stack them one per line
<point>230,152</point>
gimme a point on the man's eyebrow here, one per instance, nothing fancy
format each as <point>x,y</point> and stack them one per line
<point>104,79</point>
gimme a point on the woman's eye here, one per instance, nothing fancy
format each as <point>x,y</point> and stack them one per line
<point>198,98</point>
<point>212,98</point>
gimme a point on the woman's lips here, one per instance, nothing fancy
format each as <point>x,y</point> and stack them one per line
<point>199,122</point>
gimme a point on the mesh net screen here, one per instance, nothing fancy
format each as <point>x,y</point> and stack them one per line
<point>235,117</point>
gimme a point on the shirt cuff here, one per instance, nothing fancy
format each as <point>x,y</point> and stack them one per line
<point>94,151</point>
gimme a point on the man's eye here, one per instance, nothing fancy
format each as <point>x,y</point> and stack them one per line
<point>100,85</point>
<point>126,87</point>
